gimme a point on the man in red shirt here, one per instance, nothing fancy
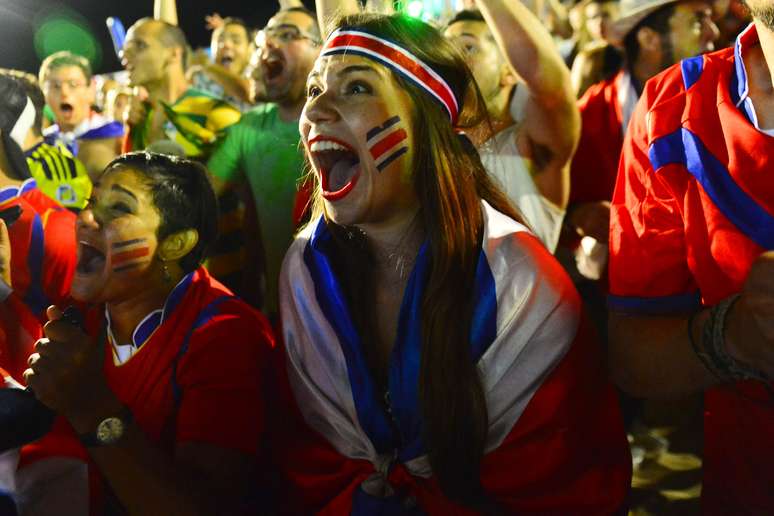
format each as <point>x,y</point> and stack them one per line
<point>691,267</point>
<point>41,237</point>
<point>655,34</point>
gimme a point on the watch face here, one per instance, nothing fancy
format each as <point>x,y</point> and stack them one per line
<point>110,430</point>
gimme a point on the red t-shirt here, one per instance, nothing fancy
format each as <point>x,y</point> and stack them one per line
<point>693,208</point>
<point>595,163</point>
<point>43,258</point>
<point>199,375</point>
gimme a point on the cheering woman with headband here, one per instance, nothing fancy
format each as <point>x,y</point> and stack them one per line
<point>436,360</point>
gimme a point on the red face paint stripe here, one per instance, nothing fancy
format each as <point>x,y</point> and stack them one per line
<point>127,256</point>
<point>388,142</point>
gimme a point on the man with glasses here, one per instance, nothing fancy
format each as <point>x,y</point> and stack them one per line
<point>70,92</point>
<point>262,148</point>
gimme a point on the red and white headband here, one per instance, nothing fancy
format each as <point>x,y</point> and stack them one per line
<point>357,42</point>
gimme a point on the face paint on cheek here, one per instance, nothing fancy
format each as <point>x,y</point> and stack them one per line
<point>386,142</point>
<point>129,254</point>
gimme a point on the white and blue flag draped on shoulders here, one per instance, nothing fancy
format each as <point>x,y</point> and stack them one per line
<point>524,322</point>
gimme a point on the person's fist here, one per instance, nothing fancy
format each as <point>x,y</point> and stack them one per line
<point>64,369</point>
<point>750,325</point>
<point>591,219</point>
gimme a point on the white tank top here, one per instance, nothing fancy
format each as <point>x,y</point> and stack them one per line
<point>511,172</point>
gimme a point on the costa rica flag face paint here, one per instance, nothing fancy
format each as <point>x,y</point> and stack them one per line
<point>129,254</point>
<point>357,130</point>
<point>117,239</point>
<point>387,142</point>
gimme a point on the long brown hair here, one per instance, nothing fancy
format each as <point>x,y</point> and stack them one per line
<point>450,182</point>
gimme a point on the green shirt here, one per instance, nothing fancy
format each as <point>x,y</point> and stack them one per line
<point>265,151</point>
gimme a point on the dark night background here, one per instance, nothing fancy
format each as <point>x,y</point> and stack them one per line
<point>20,20</point>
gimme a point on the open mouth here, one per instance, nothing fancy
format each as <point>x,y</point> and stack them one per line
<point>338,165</point>
<point>66,108</point>
<point>90,259</point>
<point>273,68</point>
<point>225,61</point>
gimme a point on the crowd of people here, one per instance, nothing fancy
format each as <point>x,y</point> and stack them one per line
<point>355,262</point>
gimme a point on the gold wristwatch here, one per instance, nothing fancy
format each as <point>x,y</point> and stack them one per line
<point>109,431</point>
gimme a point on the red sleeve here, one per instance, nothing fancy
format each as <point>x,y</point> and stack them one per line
<point>648,266</point>
<point>19,330</point>
<point>223,380</point>
<point>60,255</point>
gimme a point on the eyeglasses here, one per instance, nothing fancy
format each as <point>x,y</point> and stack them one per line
<point>284,34</point>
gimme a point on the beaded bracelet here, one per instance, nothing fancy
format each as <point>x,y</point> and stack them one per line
<point>711,348</point>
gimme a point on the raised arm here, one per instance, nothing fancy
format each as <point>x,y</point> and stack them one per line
<point>330,10</point>
<point>380,6</point>
<point>165,10</point>
<point>552,122</point>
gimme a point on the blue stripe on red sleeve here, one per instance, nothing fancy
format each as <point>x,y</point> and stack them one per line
<point>685,148</point>
<point>691,68</point>
<point>35,297</point>
<point>661,305</point>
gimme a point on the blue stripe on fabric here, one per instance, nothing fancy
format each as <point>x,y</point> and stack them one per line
<point>685,148</point>
<point>35,297</point>
<point>370,411</point>
<point>146,328</point>
<point>405,361</point>
<point>483,328</point>
<point>655,305</point>
<point>6,194</point>
<point>739,84</point>
<point>691,68</point>
<point>178,293</point>
<point>402,429</point>
<point>405,364</point>
<point>155,319</point>
<point>109,130</point>
<point>27,186</point>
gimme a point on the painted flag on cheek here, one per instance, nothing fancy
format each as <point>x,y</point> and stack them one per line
<point>129,254</point>
<point>387,142</point>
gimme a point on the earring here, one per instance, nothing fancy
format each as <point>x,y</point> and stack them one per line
<point>165,273</point>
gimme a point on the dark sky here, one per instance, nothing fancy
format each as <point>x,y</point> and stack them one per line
<point>19,18</point>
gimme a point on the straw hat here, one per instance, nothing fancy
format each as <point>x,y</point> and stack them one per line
<point>633,12</point>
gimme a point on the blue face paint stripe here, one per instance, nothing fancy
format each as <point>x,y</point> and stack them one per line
<point>397,154</point>
<point>686,148</point>
<point>377,130</point>
<point>127,243</point>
